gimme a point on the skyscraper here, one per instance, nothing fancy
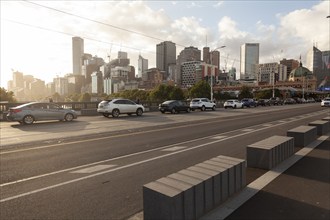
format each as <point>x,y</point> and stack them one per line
<point>249,60</point>
<point>142,66</point>
<point>77,55</point>
<point>165,56</point>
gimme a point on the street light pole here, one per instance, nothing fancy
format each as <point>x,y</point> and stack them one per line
<point>211,76</point>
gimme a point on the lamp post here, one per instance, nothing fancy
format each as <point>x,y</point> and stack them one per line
<point>218,48</point>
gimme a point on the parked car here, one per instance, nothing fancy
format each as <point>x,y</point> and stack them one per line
<point>325,102</point>
<point>115,107</point>
<point>39,111</point>
<point>263,102</point>
<point>233,103</point>
<point>248,102</point>
<point>288,101</point>
<point>275,101</point>
<point>202,104</point>
<point>174,106</point>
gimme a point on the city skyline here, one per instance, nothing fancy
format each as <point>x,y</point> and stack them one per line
<point>40,43</point>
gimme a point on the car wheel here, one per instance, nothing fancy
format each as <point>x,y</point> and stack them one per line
<point>213,108</point>
<point>162,112</point>
<point>28,120</point>
<point>188,110</point>
<point>225,107</point>
<point>139,112</point>
<point>68,117</point>
<point>173,111</point>
<point>203,108</point>
<point>106,115</point>
<point>115,113</point>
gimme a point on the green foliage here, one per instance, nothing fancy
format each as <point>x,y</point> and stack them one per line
<point>200,89</point>
<point>6,96</point>
<point>73,97</point>
<point>245,92</point>
<point>266,94</point>
<point>86,97</point>
<point>57,97</point>
<point>176,93</point>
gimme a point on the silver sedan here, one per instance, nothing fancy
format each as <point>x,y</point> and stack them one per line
<point>39,111</point>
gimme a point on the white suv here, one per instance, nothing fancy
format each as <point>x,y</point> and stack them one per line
<point>116,107</point>
<point>325,102</point>
<point>202,104</point>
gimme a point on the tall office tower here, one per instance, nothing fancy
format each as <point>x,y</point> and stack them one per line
<point>215,58</point>
<point>206,55</point>
<point>315,63</point>
<point>186,55</point>
<point>249,60</point>
<point>165,56</point>
<point>18,80</point>
<point>77,55</point>
<point>142,66</point>
<point>291,64</point>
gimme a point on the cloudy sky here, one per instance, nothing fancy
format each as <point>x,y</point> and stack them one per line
<point>36,36</point>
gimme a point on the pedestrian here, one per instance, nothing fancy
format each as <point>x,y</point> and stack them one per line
<point>138,101</point>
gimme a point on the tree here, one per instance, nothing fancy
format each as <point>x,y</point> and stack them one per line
<point>177,94</point>
<point>86,97</point>
<point>200,89</point>
<point>245,92</point>
<point>6,96</point>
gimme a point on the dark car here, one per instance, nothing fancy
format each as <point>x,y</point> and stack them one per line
<point>249,102</point>
<point>275,101</point>
<point>174,106</point>
<point>263,102</point>
<point>289,101</point>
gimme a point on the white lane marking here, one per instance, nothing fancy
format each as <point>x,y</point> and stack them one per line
<point>126,166</point>
<point>173,148</point>
<point>247,130</point>
<point>253,188</point>
<point>267,125</point>
<point>219,137</point>
<point>93,169</point>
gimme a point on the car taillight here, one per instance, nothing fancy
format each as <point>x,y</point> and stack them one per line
<point>15,110</point>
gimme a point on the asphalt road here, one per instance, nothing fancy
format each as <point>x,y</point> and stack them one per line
<point>95,167</point>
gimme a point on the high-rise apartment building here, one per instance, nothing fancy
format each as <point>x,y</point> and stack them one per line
<point>165,56</point>
<point>77,55</point>
<point>142,66</point>
<point>249,58</point>
<point>188,54</point>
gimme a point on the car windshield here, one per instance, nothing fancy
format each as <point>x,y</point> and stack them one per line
<point>195,100</point>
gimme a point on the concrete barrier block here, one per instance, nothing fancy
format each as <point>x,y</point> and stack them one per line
<point>208,187</point>
<point>322,126</point>
<point>216,182</point>
<point>231,174</point>
<point>326,118</point>
<point>242,164</point>
<point>198,188</point>
<point>259,157</point>
<point>188,195</point>
<point>162,202</point>
<point>237,171</point>
<point>224,175</point>
<point>303,135</point>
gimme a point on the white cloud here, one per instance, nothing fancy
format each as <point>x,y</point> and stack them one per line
<point>218,4</point>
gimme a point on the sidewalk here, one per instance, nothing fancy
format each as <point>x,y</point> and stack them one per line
<point>300,192</point>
